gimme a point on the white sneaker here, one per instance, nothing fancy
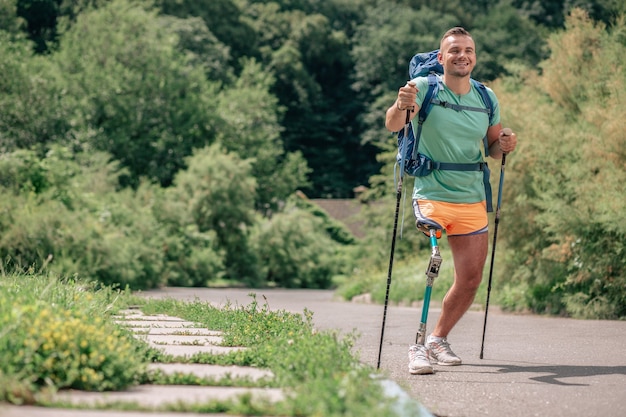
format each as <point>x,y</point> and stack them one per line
<point>441,353</point>
<point>419,363</point>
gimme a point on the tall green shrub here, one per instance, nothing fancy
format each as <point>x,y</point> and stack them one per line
<point>295,250</point>
<point>192,257</point>
<point>218,192</point>
<point>567,218</point>
<point>64,213</point>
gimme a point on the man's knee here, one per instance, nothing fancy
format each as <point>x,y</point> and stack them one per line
<point>469,283</point>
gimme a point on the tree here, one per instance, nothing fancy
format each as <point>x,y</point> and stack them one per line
<point>224,20</point>
<point>553,13</point>
<point>130,84</point>
<point>253,115</point>
<point>506,40</point>
<point>9,19</point>
<point>312,65</point>
<point>202,48</point>
<point>31,91</point>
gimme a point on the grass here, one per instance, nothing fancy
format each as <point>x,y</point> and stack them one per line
<point>54,336</point>
<point>317,367</point>
<point>408,280</point>
<point>59,333</point>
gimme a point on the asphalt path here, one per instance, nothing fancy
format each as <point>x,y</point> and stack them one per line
<point>532,366</point>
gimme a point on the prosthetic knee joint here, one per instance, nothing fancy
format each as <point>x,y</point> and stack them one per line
<point>434,263</point>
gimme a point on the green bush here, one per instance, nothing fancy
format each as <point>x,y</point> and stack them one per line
<point>216,194</point>
<point>191,257</point>
<point>295,250</point>
<point>98,245</point>
<point>76,223</point>
<point>22,171</point>
<point>565,197</point>
<point>56,334</point>
<point>31,233</point>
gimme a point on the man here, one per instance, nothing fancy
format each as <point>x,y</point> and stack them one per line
<point>455,200</point>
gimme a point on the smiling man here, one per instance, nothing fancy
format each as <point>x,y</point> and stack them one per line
<point>452,199</point>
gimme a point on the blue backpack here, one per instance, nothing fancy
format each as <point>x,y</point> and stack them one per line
<point>412,162</point>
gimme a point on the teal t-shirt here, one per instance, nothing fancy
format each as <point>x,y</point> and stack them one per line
<point>453,136</point>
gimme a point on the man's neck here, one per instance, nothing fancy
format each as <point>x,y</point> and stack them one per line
<point>458,85</point>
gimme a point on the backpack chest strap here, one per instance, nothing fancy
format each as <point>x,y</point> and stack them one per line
<point>458,107</point>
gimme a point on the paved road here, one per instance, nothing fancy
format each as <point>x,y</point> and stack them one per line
<point>532,366</point>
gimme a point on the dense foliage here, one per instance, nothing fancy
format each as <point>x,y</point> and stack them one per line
<point>156,142</point>
<point>567,188</point>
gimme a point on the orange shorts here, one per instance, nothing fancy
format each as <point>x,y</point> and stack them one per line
<point>456,219</point>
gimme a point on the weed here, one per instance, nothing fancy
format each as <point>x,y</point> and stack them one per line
<point>326,379</point>
<point>57,335</point>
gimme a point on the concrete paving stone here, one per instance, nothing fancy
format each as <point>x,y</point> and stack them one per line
<point>30,411</point>
<point>158,324</point>
<point>212,371</point>
<point>132,311</point>
<point>196,331</point>
<point>155,396</point>
<point>142,317</point>
<point>188,340</point>
<point>186,351</point>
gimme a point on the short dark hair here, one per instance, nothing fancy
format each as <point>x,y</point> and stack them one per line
<point>458,30</point>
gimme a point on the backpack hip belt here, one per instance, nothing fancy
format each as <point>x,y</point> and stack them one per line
<point>451,166</point>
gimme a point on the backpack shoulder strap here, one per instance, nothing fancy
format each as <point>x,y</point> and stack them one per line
<point>431,94</point>
<point>484,94</point>
<point>425,108</point>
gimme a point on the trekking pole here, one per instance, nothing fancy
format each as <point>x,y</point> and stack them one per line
<point>507,132</point>
<point>393,243</point>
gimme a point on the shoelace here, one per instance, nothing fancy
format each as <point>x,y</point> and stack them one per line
<point>417,352</point>
<point>442,346</point>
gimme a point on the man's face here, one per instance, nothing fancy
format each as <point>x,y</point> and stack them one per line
<point>458,55</point>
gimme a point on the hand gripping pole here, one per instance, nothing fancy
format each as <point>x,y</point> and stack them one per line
<point>432,272</point>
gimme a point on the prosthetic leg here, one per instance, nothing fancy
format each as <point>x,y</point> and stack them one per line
<point>433,231</point>
<point>419,356</point>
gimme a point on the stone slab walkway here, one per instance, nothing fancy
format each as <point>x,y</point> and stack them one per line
<point>173,336</point>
